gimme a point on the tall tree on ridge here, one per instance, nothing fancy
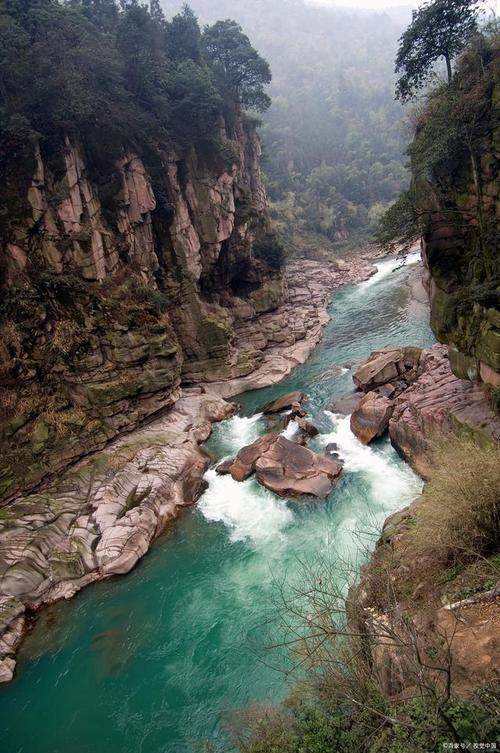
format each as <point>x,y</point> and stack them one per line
<point>440,28</point>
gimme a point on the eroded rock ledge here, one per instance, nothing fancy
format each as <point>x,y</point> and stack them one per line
<point>414,393</point>
<point>101,516</point>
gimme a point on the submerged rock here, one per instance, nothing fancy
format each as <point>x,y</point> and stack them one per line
<point>346,404</point>
<point>371,418</point>
<point>284,402</point>
<point>307,426</point>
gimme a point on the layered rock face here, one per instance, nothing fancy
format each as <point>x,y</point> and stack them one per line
<point>460,252</point>
<point>414,393</point>
<point>115,292</point>
<point>100,518</point>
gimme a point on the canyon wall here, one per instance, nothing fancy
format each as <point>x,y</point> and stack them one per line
<point>460,250</point>
<point>115,292</point>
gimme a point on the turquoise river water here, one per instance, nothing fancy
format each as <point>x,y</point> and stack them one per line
<point>155,661</point>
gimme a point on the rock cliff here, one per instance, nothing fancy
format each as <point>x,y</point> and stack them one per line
<point>461,238</point>
<point>117,289</point>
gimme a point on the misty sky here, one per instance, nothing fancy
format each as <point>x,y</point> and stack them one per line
<point>379,4</point>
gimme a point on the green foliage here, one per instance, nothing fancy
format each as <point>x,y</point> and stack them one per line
<point>270,249</point>
<point>440,28</point>
<point>332,103</point>
<point>336,725</point>
<point>449,146</point>
<point>113,77</point>
<point>184,37</point>
<point>238,69</point>
<point>399,226</point>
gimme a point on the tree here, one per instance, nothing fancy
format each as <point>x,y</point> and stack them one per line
<point>239,71</point>
<point>184,36</point>
<point>438,29</point>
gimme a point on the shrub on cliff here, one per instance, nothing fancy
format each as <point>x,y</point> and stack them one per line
<point>270,249</point>
<point>459,516</point>
<point>449,155</point>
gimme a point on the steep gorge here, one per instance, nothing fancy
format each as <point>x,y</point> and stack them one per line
<point>108,308</point>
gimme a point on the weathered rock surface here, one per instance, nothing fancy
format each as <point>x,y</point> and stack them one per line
<point>398,367</point>
<point>371,418</point>
<point>288,335</point>
<point>428,400</point>
<point>286,467</point>
<point>101,517</point>
<point>436,403</point>
<point>246,459</point>
<point>284,402</point>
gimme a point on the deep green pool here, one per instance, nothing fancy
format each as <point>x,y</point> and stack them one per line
<point>154,661</point>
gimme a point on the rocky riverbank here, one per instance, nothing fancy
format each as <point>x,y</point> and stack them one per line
<point>101,516</point>
<point>411,601</point>
<point>414,394</point>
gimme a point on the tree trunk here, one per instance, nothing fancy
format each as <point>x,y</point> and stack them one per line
<point>448,66</point>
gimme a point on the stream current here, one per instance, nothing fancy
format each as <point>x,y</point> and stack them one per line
<point>155,661</point>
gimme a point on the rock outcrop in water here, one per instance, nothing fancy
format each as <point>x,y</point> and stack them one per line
<point>415,394</point>
<point>285,467</point>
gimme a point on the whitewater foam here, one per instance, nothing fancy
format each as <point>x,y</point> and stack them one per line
<point>237,431</point>
<point>387,480</point>
<point>245,507</point>
<point>387,266</point>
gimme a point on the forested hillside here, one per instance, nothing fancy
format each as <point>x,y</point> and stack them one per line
<point>333,138</point>
<point>133,220</point>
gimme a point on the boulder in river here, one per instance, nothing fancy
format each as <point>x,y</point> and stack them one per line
<point>371,417</point>
<point>288,468</point>
<point>398,366</point>
<point>244,463</point>
<point>284,402</point>
<point>224,467</point>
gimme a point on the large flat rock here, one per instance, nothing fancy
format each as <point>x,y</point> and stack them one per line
<point>286,467</point>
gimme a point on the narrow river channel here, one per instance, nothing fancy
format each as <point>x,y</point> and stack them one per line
<point>155,660</point>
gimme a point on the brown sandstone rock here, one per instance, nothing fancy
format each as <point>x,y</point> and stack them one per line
<point>287,468</point>
<point>284,402</point>
<point>244,463</point>
<point>224,468</point>
<point>439,402</point>
<point>395,365</point>
<point>371,417</point>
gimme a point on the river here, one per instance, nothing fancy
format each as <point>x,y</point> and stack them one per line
<point>155,660</point>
